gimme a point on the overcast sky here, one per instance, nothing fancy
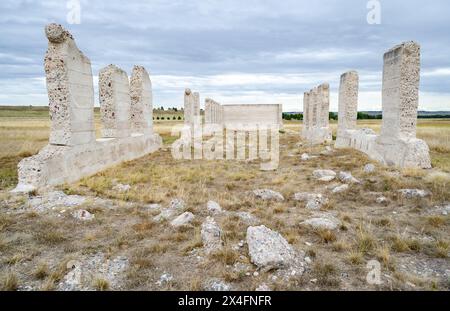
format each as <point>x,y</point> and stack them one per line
<point>233,51</point>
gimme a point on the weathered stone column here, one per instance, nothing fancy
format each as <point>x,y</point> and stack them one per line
<point>196,105</point>
<point>305,114</point>
<point>208,108</point>
<point>70,89</point>
<point>115,102</point>
<point>348,107</point>
<point>188,106</point>
<point>324,103</point>
<point>141,101</point>
<point>315,116</point>
<point>401,75</point>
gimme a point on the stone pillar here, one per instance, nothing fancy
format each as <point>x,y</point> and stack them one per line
<point>314,108</point>
<point>400,92</point>
<point>324,103</point>
<point>196,105</point>
<point>191,106</point>
<point>141,101</point>
<point>348,101</point>
<point>208,111</point>
<point>305,114</point>
<point>115,102</point>
<point>70,90</point>
<point>188,106</point>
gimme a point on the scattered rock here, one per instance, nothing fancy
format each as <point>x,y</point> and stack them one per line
<point>53,200</point>
<point>328,150</point>
<point>83,271</point>
<point>263,288</point>
<point>165,278</point>
<point>308,260</point>
<point>177,204</point>
<point>267,194</point>
<point>314,201</point>
<point>382,200</point>
<point>414,193</point>
<point>247,218</point>
<point>121,188</point>
<point>183,219</point>
<point>82,214</point>
<point>216,285</point>
<point>211,235</point>
<point>152,207</point>
<point>268,249</point>
<point>324,175</point>
<point>213,207</point>
<point>346,177</point>
<point>369,168</point>
<point>322,221</point>
<point>305,157</point>
<point>340,188</point>
<point>165,214</point>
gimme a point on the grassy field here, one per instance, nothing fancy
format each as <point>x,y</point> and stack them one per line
<point>23,131</point>
<point>406,236</point>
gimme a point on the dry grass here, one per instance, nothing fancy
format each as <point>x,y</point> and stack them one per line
<point>369,230</point>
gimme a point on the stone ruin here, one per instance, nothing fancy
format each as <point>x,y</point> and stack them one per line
<point>248,115</point>
<point>316,107</point>
<point>73,151</point>
<point>191,107</point>
<point>213,112</point>
<point>397,143</point>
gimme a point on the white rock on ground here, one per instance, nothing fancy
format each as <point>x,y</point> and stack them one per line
<point>121,188</point>
<point>381,200</point>
<point>177,204</point>
<point>82,271</point>
<point>54,199</point>
<point>217,285</point>
<point>324,175</point>
<point>313,201</point>
<point>414,193</point>
<point>347,177</point>
<point>82,214</point>
<point>305,157</point>
<point>369,168</point>
<point>322,221</point>
<point>183,219</point>
<point>263,288</point>
<point>165,214</point>
<point>165,278</point>
<point>247,218</point>
<point>213,207</point>
<point>267,194</point>
<point>268,249</point>
<point>211,235</point>
<point>340,188</point>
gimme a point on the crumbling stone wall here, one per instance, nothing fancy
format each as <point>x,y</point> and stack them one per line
<point>397,144</point>
<point>348,108</point>
<point>115,102</point>
<point>316,107</point>
<point>191,106</point>
<point>213,112</point>
<point>141,101</point>
<point>70,90</point>
<point>73,152</point>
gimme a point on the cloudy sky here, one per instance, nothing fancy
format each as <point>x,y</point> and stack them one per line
<point>233,51</point>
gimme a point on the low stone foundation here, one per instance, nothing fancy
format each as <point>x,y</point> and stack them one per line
<point>397,144</point>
